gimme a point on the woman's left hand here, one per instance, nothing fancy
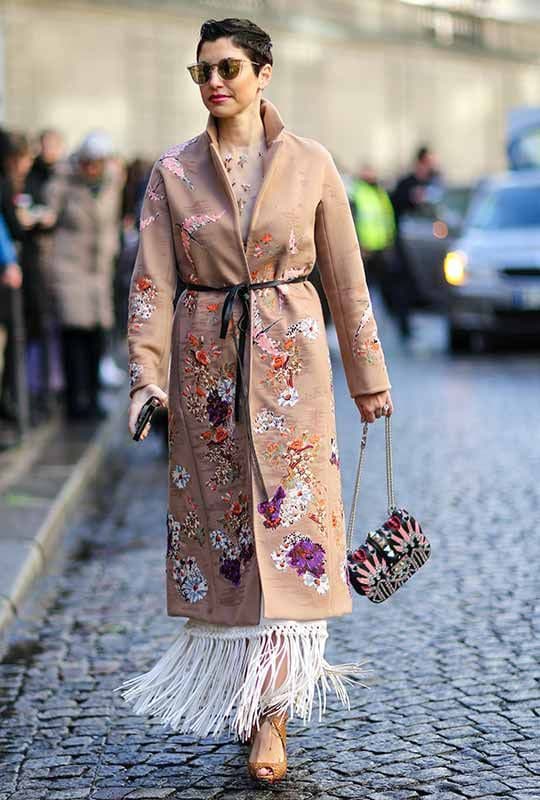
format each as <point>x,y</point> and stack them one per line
<point>373,406</point>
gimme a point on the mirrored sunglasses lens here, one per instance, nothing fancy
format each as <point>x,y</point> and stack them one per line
<point>229,68</point>
<point>200,73</point>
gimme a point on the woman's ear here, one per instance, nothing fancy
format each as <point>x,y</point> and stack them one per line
<point>265,76</point>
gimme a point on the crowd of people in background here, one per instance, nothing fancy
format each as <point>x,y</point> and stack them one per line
<point>68,241</point>
<point>68,237</point>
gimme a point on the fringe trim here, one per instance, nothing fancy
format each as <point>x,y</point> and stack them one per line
<point>212,675</point>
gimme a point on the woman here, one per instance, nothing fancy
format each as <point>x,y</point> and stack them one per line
<point>256,546</point>
<point>86,202</point>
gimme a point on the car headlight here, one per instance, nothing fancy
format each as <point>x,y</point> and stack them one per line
<point>455,263</point>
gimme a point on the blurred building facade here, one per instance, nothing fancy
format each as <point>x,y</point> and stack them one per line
<point>369,78</point>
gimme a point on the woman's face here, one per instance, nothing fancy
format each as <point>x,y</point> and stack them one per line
<point>224,98</point>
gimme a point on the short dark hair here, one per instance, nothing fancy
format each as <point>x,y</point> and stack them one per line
<point>422,152</point>
<point>243,33</point>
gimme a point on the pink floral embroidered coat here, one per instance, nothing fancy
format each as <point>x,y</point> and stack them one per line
<point>228,542</point>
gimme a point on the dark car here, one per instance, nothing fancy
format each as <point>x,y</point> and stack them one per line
<point>428,234</point>
<point>493,271</point>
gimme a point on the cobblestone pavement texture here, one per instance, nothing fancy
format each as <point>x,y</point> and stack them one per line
<point>456,711</point>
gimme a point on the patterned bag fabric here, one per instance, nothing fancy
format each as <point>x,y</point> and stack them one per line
<point>393,552</point>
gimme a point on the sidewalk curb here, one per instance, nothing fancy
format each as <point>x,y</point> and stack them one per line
<point>43,546</point>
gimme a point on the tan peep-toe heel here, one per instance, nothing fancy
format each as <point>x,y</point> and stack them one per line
<point>278,768</point>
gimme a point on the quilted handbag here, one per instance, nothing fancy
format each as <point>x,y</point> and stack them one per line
<point>393,552</point>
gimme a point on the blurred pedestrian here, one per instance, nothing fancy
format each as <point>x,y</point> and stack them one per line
<point>16,161</point>
<point>86,202</point>
<point>240,212</point>
<point>41,330</point>
<point>408,195</point>
<point>10,278</point>
<point>375,226</point>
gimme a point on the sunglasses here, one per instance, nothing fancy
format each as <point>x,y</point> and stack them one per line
<point>228,69</point>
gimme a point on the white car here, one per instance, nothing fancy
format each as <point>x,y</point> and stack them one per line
<point>493,270</point>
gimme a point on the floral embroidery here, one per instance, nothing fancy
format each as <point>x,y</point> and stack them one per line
<point>180,477</point>
<point>301,493</point>
<point>141,306</point>
<point>261,246</point>
<point>364,319</point>
<point>170,160</point>
<point>308,327</point>
<point>189,579</point>
<point>288,397</point>
<point>175,166</point>
<point>296,503</point>
<point>135,373</point>
<point>235,539</point>
<point>267,420</point>
<point>344,573</point>
<point>192,224</point>
<point>210,400</point>
<point>152,191</point>
<point>307,557</point>
<point>270,509</point>
<point>292,248</point>
<point>191,528</point>
<point>146,221</point>
<point>190,301</point>
<point>369,351</point>
<point>334,453</point>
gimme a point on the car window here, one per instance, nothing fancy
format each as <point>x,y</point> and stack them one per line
<point>509,207</point>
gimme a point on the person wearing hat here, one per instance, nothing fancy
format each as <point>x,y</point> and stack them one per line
<point>86,202</point>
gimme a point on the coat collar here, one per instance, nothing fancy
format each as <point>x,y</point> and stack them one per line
<point>272,122</point>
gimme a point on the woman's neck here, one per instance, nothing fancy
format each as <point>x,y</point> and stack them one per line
<point>243,130</point>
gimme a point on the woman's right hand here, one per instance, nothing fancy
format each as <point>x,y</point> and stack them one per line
<point>138,399</point>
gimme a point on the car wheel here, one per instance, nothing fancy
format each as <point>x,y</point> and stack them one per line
<point>459,341</point>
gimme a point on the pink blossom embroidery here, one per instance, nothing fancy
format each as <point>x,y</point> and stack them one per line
<point>152,191</point>
<point>174,166</point>
<point>363,320</point>
<point>192,224</point>
<point>293,249</point>
<point>146,221</point>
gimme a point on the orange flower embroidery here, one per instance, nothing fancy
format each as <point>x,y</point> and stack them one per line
<point>202,357</point>
<point>279,361</point>
<point>221,434</point>
<point>266,238</point>
<point>212,306</point>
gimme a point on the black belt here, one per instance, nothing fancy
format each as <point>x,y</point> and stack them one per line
<point>240,290</point>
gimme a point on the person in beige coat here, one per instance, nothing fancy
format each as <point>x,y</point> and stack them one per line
<point>256,555</point>
<point>86,202</point>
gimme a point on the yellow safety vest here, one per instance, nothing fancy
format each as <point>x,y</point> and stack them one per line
<point>375,221</point>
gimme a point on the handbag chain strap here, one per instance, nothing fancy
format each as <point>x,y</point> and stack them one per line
<point>389,476</point>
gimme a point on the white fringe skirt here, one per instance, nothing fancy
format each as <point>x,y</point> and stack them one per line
<point>214,677</point>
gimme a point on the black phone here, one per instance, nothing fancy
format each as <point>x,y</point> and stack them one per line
<point>145,415</point>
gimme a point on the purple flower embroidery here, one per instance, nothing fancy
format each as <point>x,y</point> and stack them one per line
<point>230,569</point>
<point>271,509</point>
<point>307,556</point>
<point>300,553</point>
<point>218,409</point>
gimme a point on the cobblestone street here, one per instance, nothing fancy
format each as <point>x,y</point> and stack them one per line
<point>455,712</point>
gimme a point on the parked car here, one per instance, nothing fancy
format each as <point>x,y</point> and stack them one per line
<point>428,234</point>
<point>493,271</point>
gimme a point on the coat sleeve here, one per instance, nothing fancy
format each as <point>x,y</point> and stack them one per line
<point>152,291</point>
<point>344,282</point>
